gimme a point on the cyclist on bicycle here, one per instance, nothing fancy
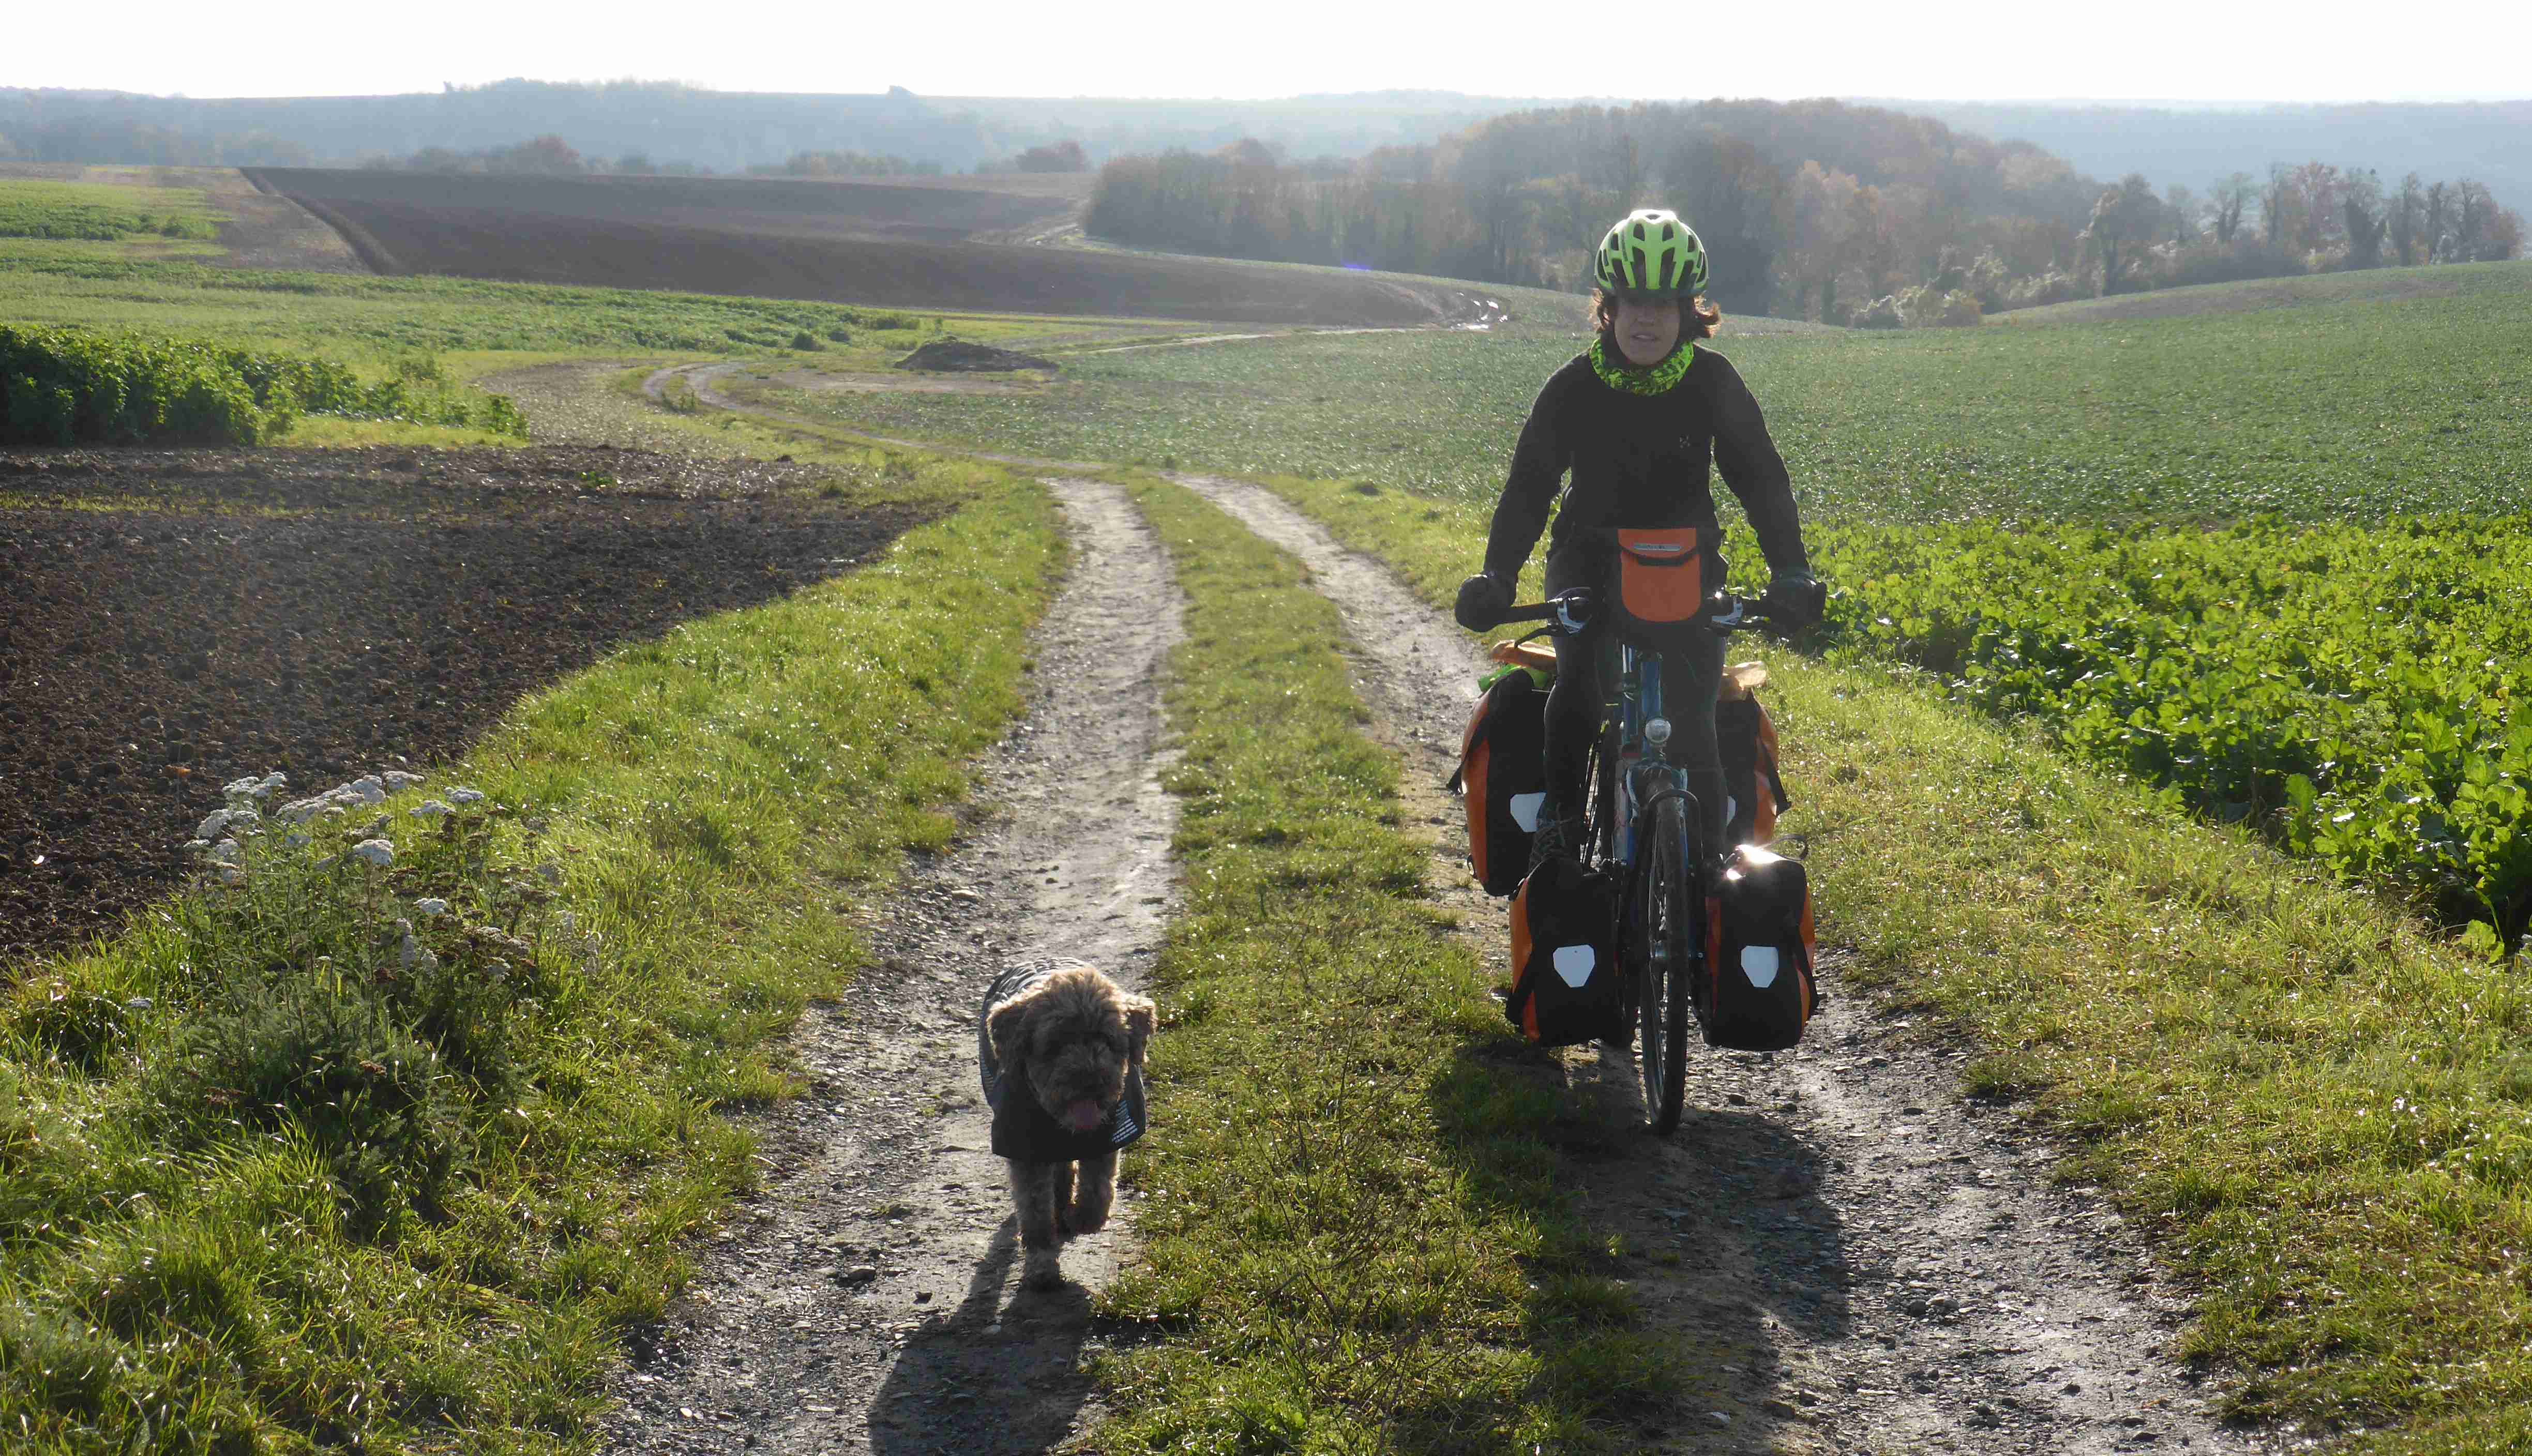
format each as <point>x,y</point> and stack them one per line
<point>1636,418</point>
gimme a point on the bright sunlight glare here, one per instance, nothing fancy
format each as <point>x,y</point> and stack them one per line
<point>2196,50</point>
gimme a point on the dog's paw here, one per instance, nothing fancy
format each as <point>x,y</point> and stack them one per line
<point>1084,1221</point>
<point>1042,1271</point>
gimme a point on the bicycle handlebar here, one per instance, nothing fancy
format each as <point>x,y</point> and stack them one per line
<point>1568,612</point>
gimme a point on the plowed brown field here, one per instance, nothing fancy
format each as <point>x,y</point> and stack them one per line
<point>901,247</point>
<point>172,619</point>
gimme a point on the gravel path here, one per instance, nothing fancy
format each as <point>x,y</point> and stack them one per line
<point>868,1299</point>
<point>1892,1267</point>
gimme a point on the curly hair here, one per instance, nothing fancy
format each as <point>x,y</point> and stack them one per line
<point>1698,319</point>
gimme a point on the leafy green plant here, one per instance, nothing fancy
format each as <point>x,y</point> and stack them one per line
<point>2355,691</point>
<point>72,386</point>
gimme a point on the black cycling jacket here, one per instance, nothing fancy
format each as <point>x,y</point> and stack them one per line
<point>1644,461</point>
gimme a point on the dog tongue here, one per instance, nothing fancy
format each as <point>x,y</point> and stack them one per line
<point>1083,1116</point>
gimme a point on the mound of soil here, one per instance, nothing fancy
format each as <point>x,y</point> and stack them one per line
<point>170,620</point>
<point>764,238</point>
<point>958,356</point>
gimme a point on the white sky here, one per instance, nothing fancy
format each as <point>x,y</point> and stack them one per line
<point>2275,50</point>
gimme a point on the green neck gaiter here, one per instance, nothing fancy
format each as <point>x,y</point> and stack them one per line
<point>1618,374</point>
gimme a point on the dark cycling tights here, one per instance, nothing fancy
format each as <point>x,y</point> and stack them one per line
<point>1577,707</point>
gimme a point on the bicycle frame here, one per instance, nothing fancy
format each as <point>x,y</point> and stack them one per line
<point>1642,773</point>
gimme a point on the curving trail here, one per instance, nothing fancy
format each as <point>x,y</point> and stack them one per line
<point>1883,1268</point>
<point>867,1299</point>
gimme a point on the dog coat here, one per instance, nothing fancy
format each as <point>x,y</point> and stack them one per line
<point>1024,1131</point>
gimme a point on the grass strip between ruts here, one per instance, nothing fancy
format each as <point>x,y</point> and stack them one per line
<point>269,1180</point>
<point>1356,1234</point>
<point>2321,1112</point>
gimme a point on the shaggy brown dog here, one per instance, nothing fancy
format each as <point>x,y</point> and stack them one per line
<point>1061,1053</point>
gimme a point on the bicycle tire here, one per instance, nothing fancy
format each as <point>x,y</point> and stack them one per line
<point>1665,922</point>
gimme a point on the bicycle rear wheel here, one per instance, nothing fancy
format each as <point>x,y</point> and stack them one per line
<point>1665,925</point>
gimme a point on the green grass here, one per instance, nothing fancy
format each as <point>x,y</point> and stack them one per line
<point>2323,1114</point>
<point>268,1184</point>
<point>1356,1235</point>
<point>60,211</point>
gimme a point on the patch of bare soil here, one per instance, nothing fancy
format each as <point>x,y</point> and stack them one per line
<point>813,380</point>
<point>171,619</point>
<point>766,238</point>
<point>1894,1265</point>
<point>876,210</point>
<point>867,1299</point>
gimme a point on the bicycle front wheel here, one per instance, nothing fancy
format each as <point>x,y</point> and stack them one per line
<point>1665,927</point>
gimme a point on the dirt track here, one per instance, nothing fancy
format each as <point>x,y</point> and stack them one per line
<point>1892,1269</point>
<point>869,1301</point>
<point>1897,1268</point>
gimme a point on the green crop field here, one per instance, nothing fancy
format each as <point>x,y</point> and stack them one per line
<point>64,210</point>
<point>2355,409</point>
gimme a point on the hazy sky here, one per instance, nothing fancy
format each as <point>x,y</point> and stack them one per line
<point>2315,50</point>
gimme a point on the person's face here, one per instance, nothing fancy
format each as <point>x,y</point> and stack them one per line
<point>1647,327</point>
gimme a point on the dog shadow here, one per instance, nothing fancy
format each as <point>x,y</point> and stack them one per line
<point>998,1375</point>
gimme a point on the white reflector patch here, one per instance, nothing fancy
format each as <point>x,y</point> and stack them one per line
<point>1758,962</point>
<point>1574,964</point>
<point>1524,810</point>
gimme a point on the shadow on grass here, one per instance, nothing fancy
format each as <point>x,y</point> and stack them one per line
<point>1659,1262</point>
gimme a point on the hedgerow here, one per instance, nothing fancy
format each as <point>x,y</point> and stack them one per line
<point>2364,693</point>
<point>65,386</point>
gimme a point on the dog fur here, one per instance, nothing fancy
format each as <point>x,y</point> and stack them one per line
<point>1069,1039</point>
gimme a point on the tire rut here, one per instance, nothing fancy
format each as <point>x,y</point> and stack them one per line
<point>866,1297</point>
<point>1894,1267</point>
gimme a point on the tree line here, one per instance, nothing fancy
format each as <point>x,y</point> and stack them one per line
<point>119,141</point>
<point>1813,209</point>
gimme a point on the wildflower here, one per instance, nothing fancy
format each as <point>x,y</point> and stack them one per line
<point>433,907</point>
<point>430,809</point>
<point>466,795</point>
<point>379,852</point>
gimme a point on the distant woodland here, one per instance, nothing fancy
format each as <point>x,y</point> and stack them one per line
<point>684,129</point>
<point>1813,209</point>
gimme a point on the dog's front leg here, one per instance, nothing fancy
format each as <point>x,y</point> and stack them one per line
<point>1094,1192</point>
<point>1034,1197</point>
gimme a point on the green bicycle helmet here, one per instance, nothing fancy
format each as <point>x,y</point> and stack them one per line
<point>1651,250</point>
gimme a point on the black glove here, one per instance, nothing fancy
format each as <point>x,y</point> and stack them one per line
<point>1483,599</point>
<point>1795,600</point>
